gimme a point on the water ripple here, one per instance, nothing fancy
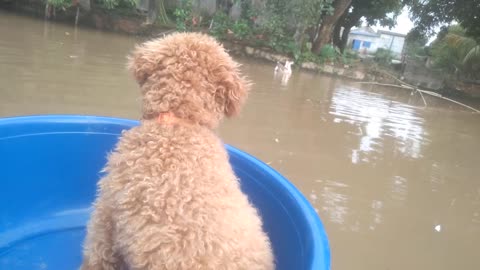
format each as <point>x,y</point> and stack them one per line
<point>377,118</point>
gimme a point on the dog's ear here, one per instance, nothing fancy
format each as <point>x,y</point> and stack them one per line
<point>140,65</point>
<point>236,93</point>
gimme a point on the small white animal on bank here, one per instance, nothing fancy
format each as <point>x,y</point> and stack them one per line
<point>286,69</point>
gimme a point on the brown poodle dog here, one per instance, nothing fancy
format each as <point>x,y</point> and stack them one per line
<point>170,199</point>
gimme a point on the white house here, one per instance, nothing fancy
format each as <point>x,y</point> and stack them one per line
<point>365,40</point>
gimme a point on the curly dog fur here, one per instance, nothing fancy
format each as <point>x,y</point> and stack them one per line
<point>170,199</point>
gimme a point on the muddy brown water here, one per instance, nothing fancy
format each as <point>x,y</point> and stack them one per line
<point>396,184</point>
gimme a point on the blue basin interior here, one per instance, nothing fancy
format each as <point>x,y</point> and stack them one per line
<point>49,166</point>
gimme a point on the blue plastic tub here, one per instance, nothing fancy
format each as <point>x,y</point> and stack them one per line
<point>49,166</point>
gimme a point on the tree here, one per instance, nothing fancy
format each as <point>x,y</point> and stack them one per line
<point>154,9</point>
<point>454,52</point>
<point>307,14</point>
<point>323,34</point>
<point>415,44</point>
<point>287,24</point>
<point>414,36</point>
<point>343,27</point>
<point>383,12</point>
<point>111,4</point>
<point>429,14</point>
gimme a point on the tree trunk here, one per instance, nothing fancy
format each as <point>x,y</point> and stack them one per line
<point>324,36</point>
<point>347,21</point>
<point>324,33</point>
<point>225,5</point>
<point>152,12</point>
<point>299,35</point>
<point>344,38</point>
<point>156,11</point>
<point>337,39</point>
<point>162,13</point>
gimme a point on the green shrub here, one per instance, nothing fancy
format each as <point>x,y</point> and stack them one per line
<point>111,4</point>
<point>241,29</point>
<point>183,15</point>
<point>383,57</point>
<point>221,23</point>
<point>348,57</point>
<point>328,53</point>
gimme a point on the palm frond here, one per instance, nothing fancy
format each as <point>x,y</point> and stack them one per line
<point>462,45</point>
<point>472,55</point>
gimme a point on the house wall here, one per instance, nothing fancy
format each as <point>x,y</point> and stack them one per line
<point>363,41</point>
<point>393,43</point>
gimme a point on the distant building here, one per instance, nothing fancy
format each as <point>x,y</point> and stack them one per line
<point>392,41</point>
<point>366,40</point>
<point>363,40</point>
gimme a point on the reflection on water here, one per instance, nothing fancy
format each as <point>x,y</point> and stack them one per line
<point>399,188</point>
<point>335,202</point>
<point>396,184</point>
<point>376,118</point>
<point>282,77</point>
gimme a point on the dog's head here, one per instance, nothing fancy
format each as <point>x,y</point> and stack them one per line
<point>190,75</point>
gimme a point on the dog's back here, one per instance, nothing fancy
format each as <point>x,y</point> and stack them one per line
<point>176,203</point>
<point>170,199</point>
